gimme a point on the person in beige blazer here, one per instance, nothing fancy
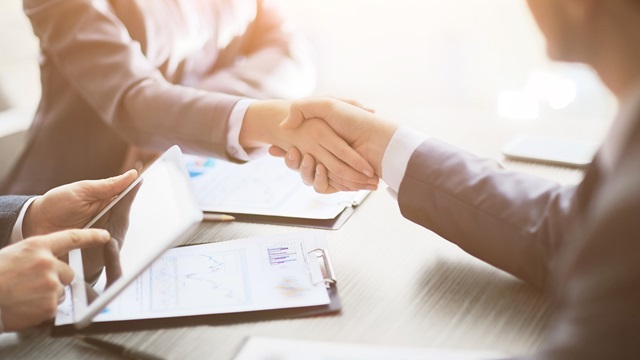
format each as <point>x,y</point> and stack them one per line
<point>123,79</point>
<point>580,243</point>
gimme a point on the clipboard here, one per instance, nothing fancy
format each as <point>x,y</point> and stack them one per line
<point>326,224</point>
<point>326,279</point>
<point>265,191</point>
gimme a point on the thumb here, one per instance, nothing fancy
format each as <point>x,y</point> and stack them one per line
<point>304,109</point>
<point>108,188</point>
<point>293,120</point>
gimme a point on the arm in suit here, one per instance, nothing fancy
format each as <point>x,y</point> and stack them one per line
<point>514,221</point>
<point>9,209</point>
<point>140,66</point>
<point>583,240</point>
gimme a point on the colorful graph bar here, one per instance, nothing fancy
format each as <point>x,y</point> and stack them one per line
<point>281,254</point>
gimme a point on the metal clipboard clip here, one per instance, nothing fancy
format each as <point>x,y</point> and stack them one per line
<point>326,267</point>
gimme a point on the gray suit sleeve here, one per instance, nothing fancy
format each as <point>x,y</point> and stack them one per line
<point>510,220</point>
<point>9,209</point>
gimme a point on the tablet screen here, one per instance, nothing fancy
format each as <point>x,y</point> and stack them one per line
<point>152,215</point>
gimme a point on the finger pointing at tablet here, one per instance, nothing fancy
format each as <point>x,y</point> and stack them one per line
<point>33,278</point>
<point>60,243</point>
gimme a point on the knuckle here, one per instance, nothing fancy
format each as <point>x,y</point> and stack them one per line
<point>292,163</point>
<point>307,177</point>
<point>31,245</point>
<point>75,236</point>
<point>43,262</point>
<point>307,181</point>
<point>50,283</point>
<point>50,307</point>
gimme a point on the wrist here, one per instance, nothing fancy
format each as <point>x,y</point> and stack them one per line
<point>32,220</point>
<point>377,143</point>
<point>261,123</point>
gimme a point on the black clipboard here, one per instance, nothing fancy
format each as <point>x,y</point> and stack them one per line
<point>334,307</point>
<point>325,224</point>
<point>215,319</point>
<point>208,174</point>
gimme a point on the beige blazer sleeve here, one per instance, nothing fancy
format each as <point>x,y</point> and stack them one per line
<point>94,51</point>
<point>131,65</point>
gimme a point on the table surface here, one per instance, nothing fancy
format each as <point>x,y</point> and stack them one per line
<point>399,283</point>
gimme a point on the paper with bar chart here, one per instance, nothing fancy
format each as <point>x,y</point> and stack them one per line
<point>271,272</point>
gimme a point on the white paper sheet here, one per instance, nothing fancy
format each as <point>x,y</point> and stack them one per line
<point>269,348</point>
<point>262,187</point>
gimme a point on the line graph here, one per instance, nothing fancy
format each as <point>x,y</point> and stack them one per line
<point>202,280</point>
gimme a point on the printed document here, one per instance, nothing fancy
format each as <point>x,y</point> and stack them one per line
<point>271,272</point>
<point>262,187</point>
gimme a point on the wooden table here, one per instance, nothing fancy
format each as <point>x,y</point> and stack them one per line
<point>399,283</point>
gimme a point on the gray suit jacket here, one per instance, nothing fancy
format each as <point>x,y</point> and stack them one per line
<point>151,74</point>
<point>9,209</point>
<point>582,243</point>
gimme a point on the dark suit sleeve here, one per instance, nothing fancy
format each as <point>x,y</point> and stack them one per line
<point>513,221</point>
<point>9,209</point>
<point>597,286</point>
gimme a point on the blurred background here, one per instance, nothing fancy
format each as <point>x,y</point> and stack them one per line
<point>425,63</point>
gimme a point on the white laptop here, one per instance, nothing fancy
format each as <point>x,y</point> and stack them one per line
<point>150,216</point>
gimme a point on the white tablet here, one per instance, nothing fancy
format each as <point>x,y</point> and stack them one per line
<point>153,214</point>
<point>551,150</point>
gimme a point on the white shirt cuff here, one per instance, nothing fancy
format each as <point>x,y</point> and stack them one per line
<point>397,155</point>
<point>16,234</point>
<point>236,119</point>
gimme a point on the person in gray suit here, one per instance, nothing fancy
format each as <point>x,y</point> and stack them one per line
<point>32,277</point>
<point>581,243</point>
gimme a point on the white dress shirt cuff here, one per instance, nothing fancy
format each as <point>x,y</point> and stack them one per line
<point>234,126</point>
<point>16,234</point>
<point>397,155</point>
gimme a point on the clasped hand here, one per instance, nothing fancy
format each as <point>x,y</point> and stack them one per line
<point>356,131</point>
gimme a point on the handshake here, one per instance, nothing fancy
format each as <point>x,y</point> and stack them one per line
<point>336,145</point>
